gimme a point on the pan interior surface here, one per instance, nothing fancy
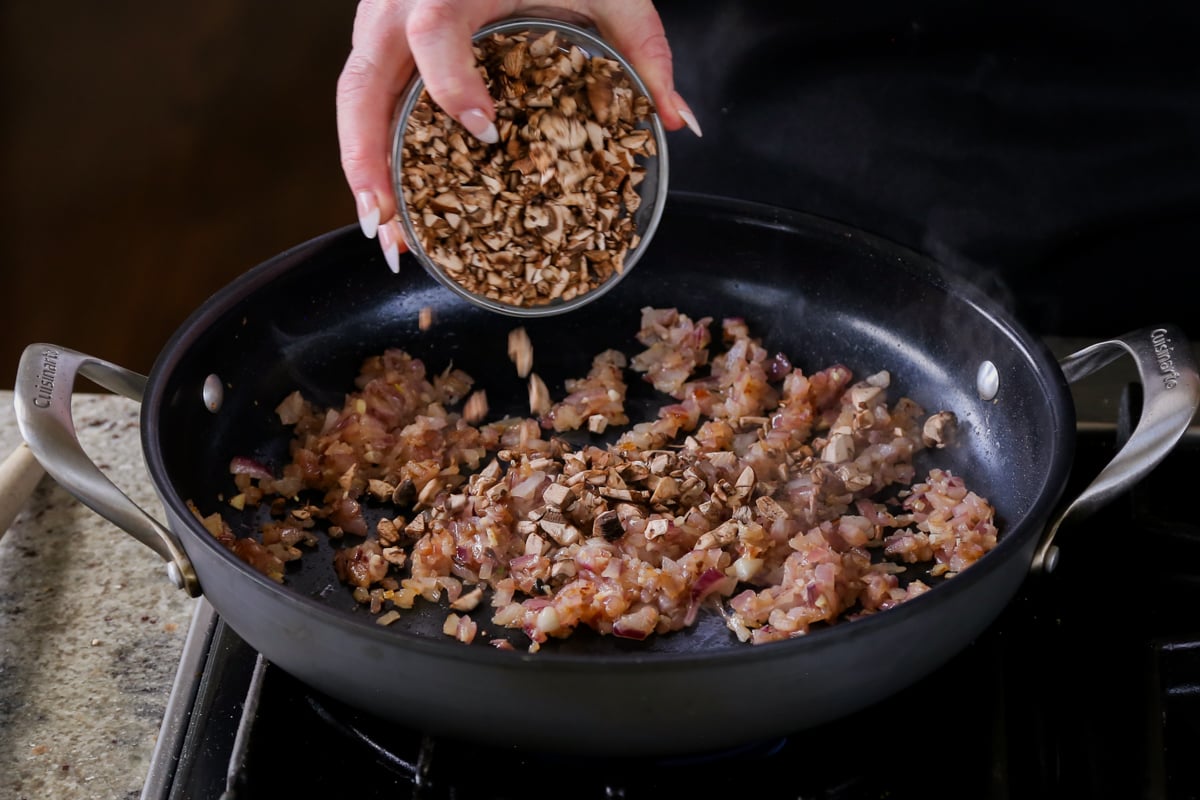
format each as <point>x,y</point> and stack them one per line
<point>814,290</point>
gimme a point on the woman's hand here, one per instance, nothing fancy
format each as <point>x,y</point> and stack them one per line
<point>392,36</point>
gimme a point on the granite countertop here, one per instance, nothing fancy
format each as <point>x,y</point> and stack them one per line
<point>91,628</point>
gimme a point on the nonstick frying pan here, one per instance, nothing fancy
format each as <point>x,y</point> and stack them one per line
<point>814,289</point>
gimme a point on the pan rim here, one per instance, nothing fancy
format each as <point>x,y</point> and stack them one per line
<point>1017,536</point>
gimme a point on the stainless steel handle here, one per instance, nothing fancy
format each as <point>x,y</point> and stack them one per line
<point>1171,394</point>
<point>45,384</point>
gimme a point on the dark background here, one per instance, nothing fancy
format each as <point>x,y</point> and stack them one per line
<point>151,153</point>
<point>1050,152</point>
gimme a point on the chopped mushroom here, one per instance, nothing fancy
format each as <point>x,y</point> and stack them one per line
<point>939,429</point>
<point>547,213</point>
<point>539,396</point>
<point>476,408</point>
<point>758,489</point>
<point>520,350</point>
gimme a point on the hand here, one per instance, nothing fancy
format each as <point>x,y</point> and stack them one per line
<point>391,36</point>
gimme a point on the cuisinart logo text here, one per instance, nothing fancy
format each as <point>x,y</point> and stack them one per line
<point>45,381</point>
<point>1162,352</point>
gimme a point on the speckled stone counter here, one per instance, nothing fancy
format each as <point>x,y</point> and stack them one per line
<point>91,629</point>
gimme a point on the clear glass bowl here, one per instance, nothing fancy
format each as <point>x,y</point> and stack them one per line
<point>652,189</point>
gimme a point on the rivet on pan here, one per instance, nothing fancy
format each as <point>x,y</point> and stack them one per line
<point>987,380</point>
<point>214,393</point>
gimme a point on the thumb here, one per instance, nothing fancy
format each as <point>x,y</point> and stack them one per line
<point>439,35</point>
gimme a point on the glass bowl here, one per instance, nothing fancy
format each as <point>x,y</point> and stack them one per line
<point>505,284</point>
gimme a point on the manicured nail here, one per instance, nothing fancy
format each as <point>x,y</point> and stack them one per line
<point>368,213</point>
<point>479,125</point>
<point>389,242</point>
<point>682,109</point>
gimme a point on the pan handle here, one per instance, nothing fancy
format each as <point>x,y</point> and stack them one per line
<point>1171,393</point>
<point>45,384</point>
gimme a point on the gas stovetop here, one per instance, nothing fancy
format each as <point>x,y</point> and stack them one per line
<point>1087,685</point>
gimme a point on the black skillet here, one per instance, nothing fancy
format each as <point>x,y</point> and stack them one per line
<point>813,289</point>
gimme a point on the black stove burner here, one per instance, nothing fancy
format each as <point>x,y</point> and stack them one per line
<point>445,768</point>
<point>903,749</point>
<point>1088,685</point>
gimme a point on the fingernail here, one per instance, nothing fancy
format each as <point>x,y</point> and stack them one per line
<point>479,125</point>
<point>682,109</point>
<point>368,213</point>
<point>389,242</point>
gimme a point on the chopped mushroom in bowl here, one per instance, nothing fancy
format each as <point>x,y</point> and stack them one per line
<point>561,208</point>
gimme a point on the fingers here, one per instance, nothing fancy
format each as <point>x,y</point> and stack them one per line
<point>439,33</point>
<point>375,73</point>
<point>634,28</point>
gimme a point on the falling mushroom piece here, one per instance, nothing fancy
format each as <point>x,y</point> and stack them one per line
<point>476,407</point>
<point>539,395</point>
<point>520,350</point>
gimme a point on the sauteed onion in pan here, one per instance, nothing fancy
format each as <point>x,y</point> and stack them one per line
<point>780,498</point>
